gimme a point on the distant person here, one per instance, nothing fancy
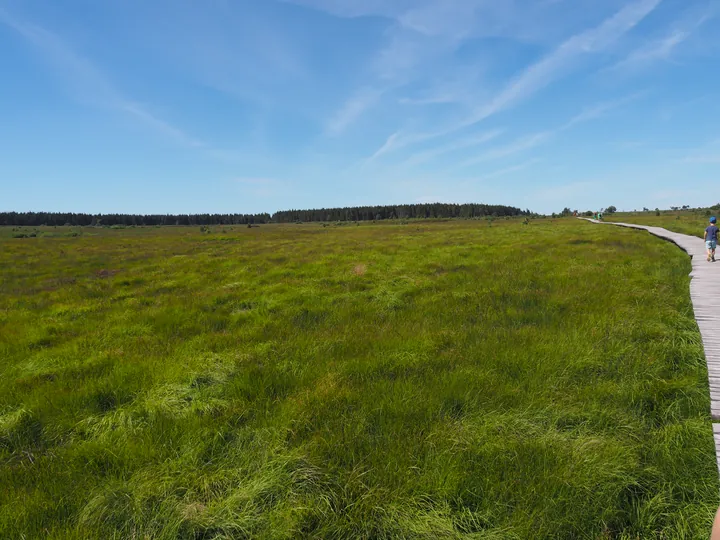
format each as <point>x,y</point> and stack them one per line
<point>711,236</point>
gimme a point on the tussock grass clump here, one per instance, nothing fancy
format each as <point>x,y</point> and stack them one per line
<point>453,380</point>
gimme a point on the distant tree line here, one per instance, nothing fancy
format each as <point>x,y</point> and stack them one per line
<point>28,219</point>
<point>402,211</point>
<point>356,213</point>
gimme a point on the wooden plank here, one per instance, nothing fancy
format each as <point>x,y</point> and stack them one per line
<point>705,296</point>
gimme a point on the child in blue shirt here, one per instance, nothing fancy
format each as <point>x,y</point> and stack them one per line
<point>711,236</point>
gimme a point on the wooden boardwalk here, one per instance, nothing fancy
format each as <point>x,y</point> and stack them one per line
<point>705,295</point>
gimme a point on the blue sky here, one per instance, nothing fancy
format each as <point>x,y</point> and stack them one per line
<point>261,105</point>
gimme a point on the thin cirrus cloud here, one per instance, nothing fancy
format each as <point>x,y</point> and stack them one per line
<point>538,75</point>
<point>429,17</point>
<point>462,144</point>
<point>521,144</point>
<point>352,109</point>
<point>663,48</point>
<point>502,172</point>
<point>419,33</point>
<point>431,31</point>
<point>87,83</point>
<point>518,146</point>
<point>528,142</point>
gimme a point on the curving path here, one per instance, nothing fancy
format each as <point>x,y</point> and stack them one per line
<point>705,295</point>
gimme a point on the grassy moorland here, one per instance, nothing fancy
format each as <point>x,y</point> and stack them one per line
<point>427,380</point>
<point>690,222</point>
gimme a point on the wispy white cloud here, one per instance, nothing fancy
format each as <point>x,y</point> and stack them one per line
<point>396,65</point>
<point>401,139</point>
<point>405,51</point>
<point>539,75</point>
<point>436,99</point>
<point>427,17</point>
<point>457,85</point>
<point>80,75</point>
<point>424,34</point>
<point>467,142</point>
<point>390,144</point>
<point>600,109</point>
<point>522,144</point>
<point>525,20</point>
<point>352,109</point>
<point>659,49</point>
<point>528,142</point>
<point>502,172</point>
<point>161,126</point>
<point>86,82</point>
<point>358,8</point>
<point>662,49</point>
<point>420,33</point>
<point>455,19</point>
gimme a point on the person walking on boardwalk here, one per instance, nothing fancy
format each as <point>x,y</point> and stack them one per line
<point>711,237</point>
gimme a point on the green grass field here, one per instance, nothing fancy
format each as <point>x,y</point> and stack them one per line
<point>430,380</point>
<point>682,221</point>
